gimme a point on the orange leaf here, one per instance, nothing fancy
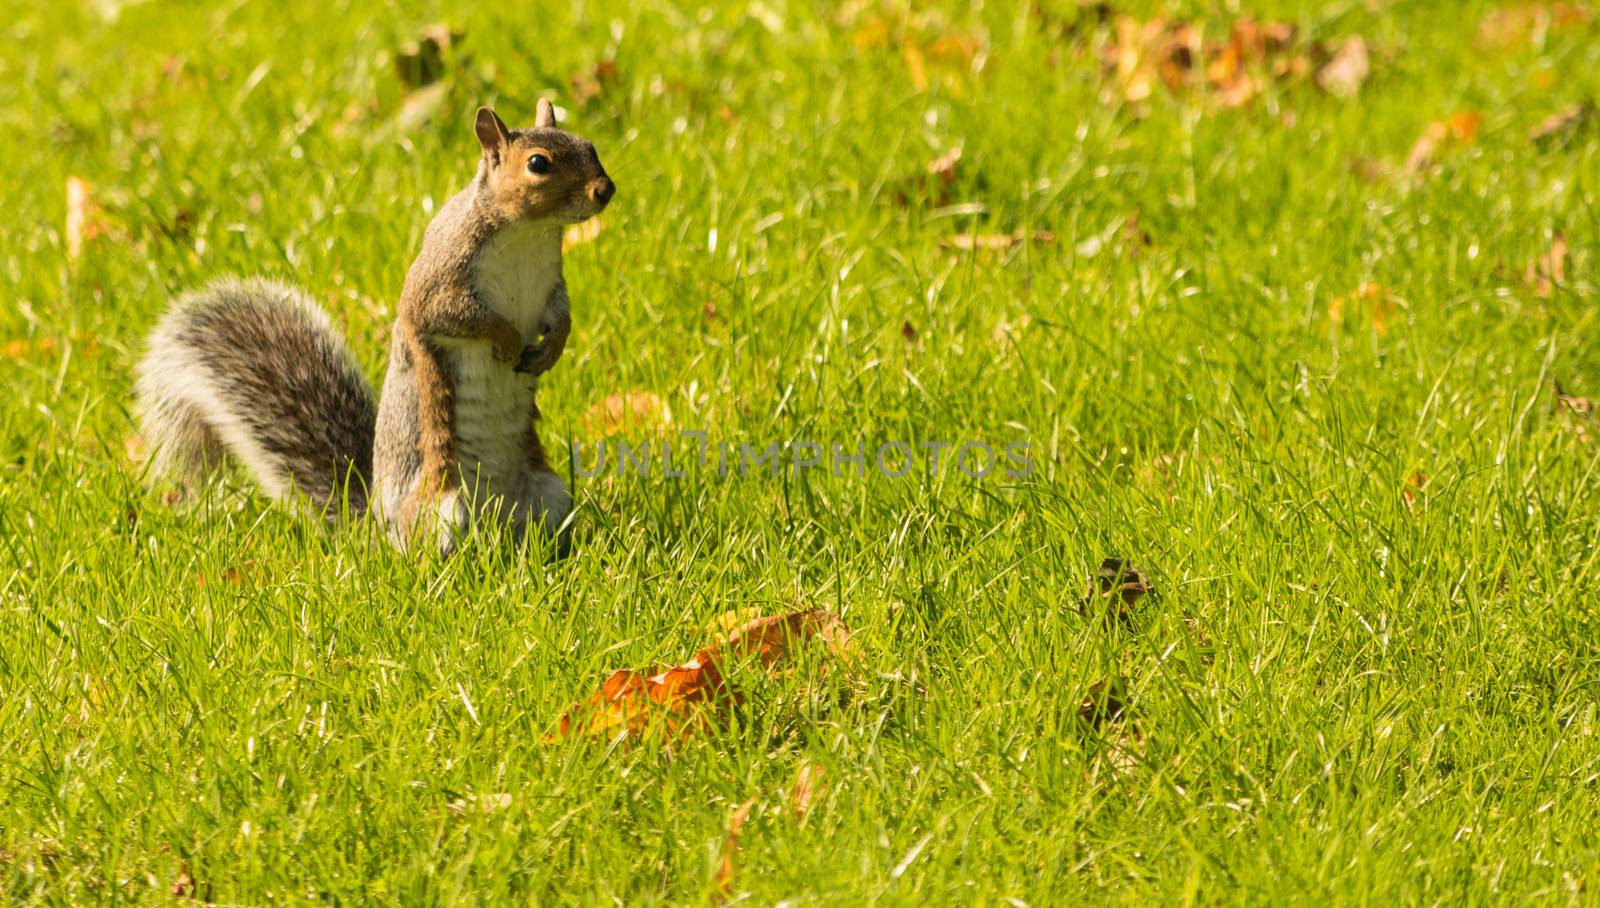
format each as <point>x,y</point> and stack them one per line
<point>1457,129</point>
<point>627,410</point>
<point>731,850</point>
<point>1344,75</point>
<point>85,218</point>
<point>808,786</point>
<point>1549,271</point>
<point>680,696</point>
<point>1370,302</point>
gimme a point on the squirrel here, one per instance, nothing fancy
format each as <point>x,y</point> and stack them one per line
<point>253,369</point>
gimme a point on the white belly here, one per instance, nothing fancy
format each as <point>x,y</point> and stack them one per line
<point>515,274</point>
<point>494,407</point>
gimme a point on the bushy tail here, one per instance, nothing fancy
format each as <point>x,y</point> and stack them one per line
<point>254,369</point>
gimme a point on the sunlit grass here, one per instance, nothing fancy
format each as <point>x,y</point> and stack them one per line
<point>1370,670</point>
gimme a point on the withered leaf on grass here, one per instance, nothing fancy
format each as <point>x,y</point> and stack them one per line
<point>809,785</point>
<point>21,349</point>
<point>85,218</point>
<point>1549,271</point>
<point>421,61</point>
<point>1119,584</point>
<point>1515,24</point>
<point>1344,75</point>
<point>1415,484</point>
<point>995,241</point>
<point>1581,406</point>
<point>1456,130</point>
<point>593,82</point>
<point>1566,126</point>
<point>684,698</point>
<point>1371,303</point>
<point>625,411</point>
<point>1105,701</point>
<point>730,849</point>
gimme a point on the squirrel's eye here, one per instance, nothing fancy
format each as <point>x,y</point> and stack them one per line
<point>538,164</point>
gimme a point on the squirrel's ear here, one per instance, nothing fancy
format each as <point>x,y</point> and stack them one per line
<point>492,133</point>
<point>545,116</point>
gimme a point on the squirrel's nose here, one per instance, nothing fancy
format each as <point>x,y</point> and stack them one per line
<point>602,189</point>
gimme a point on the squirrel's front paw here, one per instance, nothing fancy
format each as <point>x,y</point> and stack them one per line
<point>536,359</point>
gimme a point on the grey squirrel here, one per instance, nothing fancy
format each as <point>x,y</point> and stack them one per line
<point>254,369</point>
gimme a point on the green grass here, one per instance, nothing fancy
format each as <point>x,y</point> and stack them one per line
<point>1343,695</point>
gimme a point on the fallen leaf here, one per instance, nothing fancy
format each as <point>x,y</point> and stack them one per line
<point>993,241</point>
<point>581,233</point>
<point>944,166</point>
<point>1564,127</point>
<point>593,82</point>
<point>1119,584</point>
<point>27,348</point>
<point>1456,130</point>
<point>627,410</point>
<point>1516,24</point>
<point>1370,302</point>
<point>809,785</point>
<point>1548,271</point>
<point>730,849</point>
<point>1105,701</point>
<point>1415,484</point>
<point>421,62</point>
<point>1344,75</point>
<point>1581,406</point>
<point>85,218</point>
<point>684,698</point>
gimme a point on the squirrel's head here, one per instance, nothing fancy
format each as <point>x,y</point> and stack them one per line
<point>540,174</point>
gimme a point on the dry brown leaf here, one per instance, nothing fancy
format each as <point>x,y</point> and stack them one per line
<point>809,785</point>
<point>1565,126</point>
<point>627,410</point>
<point>1118,584</point>
<point>1344,75</point>
<point>1371,302</point>
<point>1105,701</point>
<point>593,82</point>
<point>995,241</point>
<point>1455,130</point>
<point>1516,24</point>
<point>916,65</point>
<point>22,348</point>
<point>730,850</point>
<point>85,217</point>
<point>683,698</point>
<point>873,33</point>
<point>1415,484</point>
<point>420,62</point>
<point>944,166</point>
<point>1580,406</point>
<point>581,233</point>
<point>1548,271</point>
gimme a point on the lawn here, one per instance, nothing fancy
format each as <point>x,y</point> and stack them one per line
<point>1303,330</point>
